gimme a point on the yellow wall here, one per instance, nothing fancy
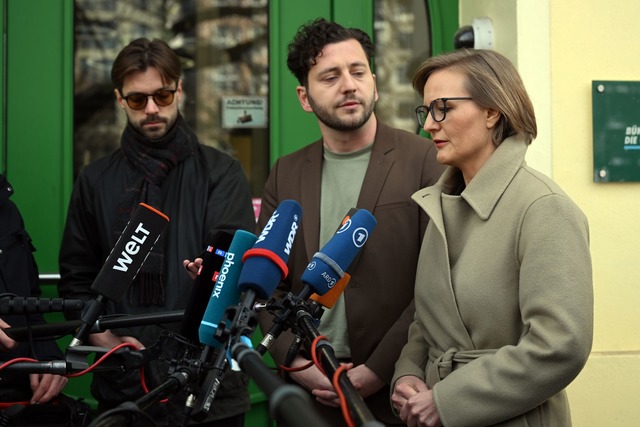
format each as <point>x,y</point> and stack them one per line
<point>560,46</point>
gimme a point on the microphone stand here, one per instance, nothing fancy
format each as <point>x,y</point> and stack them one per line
<point>359,410</point>
<point>131,413</point>
<point>21,333</point>
<point>287,402</point>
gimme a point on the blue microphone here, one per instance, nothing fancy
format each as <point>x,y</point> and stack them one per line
<point>266,263</point>
<point>328,266</point>
<point>225,292</point>
<point>326,271</point>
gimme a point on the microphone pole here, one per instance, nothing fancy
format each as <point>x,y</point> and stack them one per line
<point>22,333</point>
<point>359,410</point>
<point>132,413</point>
<point>287,402</point>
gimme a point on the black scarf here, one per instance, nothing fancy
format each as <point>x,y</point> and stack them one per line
<point>154,160</point>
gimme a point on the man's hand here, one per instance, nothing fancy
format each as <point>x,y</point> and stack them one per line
<point>108,339</point>
<point>192,267</point>
<point>46,386</point>
<point>316,382</point>
<point>365,380</point>
<point>6,343</point>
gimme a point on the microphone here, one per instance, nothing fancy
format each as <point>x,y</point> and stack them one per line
<point>328,266</point>
<point>326,269</point>
<point>225,292</point>
<point>329,299</point>
<point>123,263</point>
<point>27,305</point>
<point>203,285</point>
<point>266,263</point>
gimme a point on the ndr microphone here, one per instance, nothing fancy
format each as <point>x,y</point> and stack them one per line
<point>123,263</point>
<point>225,292</point>
<point>328,266</point>
<point>266,263</point>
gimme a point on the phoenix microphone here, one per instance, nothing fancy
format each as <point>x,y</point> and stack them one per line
<point>27,305</point>
<point>203,285</point>
<point>225,292</point>
<point>266,263</point>
<point>123,263</point>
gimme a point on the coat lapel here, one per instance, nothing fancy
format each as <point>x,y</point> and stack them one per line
<point>378,170</point>
<point>310,178</point>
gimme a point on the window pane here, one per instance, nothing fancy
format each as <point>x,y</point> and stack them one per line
<point>402,42</point>
<point>224,48</point>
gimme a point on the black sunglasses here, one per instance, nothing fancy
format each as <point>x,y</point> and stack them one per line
<point>162,98</point>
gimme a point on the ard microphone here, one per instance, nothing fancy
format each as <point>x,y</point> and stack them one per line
<point>329,299</point>
<point>328,266</point>
<point>27,305</point>
<point>225,291</point>
<point>123,263</point>
<point>266,263</point>
<point>212,260</point>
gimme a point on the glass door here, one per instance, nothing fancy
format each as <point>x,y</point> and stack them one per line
<point>223,45</point>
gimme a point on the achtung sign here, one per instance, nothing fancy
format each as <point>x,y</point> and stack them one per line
<point>244,112</point>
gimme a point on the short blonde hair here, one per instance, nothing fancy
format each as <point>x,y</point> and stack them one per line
<point>493,82</point>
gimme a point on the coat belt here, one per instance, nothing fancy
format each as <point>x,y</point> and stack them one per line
<point>445,362</point>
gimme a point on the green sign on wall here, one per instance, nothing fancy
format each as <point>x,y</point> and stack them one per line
<point>616,131</point>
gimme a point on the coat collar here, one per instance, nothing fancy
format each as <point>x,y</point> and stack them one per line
<point>486,188</point>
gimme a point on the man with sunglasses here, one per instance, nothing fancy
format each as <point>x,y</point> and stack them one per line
<point>202,190</point>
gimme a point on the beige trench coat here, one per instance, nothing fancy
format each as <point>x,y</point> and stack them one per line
<point>504,299</point>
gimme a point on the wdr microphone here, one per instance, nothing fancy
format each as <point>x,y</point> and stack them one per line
<point>328,266</point>
<point>123,263</point>
<point>225,291</point>
<point>212,260</point>
<point>266,263</point>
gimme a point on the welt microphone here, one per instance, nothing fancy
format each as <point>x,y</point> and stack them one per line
<point>203,286</point>
<point>123,263</point>
<point>225,291</point>
<point>266,263</point>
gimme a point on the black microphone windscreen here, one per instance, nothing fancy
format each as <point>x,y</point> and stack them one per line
<point>212,260</point>
<point>130,252</point>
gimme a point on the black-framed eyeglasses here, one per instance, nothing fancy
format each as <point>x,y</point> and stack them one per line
<point>437,108</point>
<point>162,98</point>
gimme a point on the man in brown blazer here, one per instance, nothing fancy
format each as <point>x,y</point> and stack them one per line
<point>362,163</point>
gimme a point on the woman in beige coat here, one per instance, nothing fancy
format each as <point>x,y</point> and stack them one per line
<point>504,299</point>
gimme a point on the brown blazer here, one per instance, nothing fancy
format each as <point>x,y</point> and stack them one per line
<point>379,297</point>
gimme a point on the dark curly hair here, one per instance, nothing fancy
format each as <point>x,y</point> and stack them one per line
<point>312,37</point>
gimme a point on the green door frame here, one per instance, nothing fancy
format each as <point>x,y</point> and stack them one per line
<point>37,125</point>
